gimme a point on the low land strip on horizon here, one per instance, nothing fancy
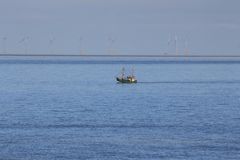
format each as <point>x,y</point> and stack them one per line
<point>129,55</point>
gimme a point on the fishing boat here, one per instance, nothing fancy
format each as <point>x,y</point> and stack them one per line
<point>126,79</point>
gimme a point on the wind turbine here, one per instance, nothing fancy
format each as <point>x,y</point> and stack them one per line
<point>24,41</point>
<point>51,43</point>
<point>81,45</point>
<point>176,45</point>
<point>111,42</point>
<point>186,48</point>
<point>169,44</point>
<point>4,45</point>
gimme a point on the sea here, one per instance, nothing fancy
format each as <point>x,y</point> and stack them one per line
<point>72,108</point>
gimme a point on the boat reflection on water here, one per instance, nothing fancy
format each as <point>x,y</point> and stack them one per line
<point>126,79</point>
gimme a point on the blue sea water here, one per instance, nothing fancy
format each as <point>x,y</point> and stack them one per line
<point>73,109</point>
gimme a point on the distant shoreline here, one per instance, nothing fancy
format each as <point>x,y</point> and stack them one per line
<point>132,55</point>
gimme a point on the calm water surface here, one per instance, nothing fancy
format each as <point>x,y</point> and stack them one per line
<point>76,110</point>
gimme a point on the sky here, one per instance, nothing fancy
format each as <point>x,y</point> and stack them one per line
<point>120,26</point>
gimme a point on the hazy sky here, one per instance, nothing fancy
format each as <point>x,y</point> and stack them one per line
<point>137,26</point>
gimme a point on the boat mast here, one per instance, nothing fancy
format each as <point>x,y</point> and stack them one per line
<point>132,71</point>
<point>123,70</point>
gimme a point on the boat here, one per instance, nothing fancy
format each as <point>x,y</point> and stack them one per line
<point>126,79</point>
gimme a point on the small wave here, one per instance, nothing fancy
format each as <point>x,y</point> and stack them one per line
<point>84,126</point>
<point>191,82</point>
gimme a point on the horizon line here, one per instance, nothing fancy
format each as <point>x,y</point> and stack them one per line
<point>124,55</point>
